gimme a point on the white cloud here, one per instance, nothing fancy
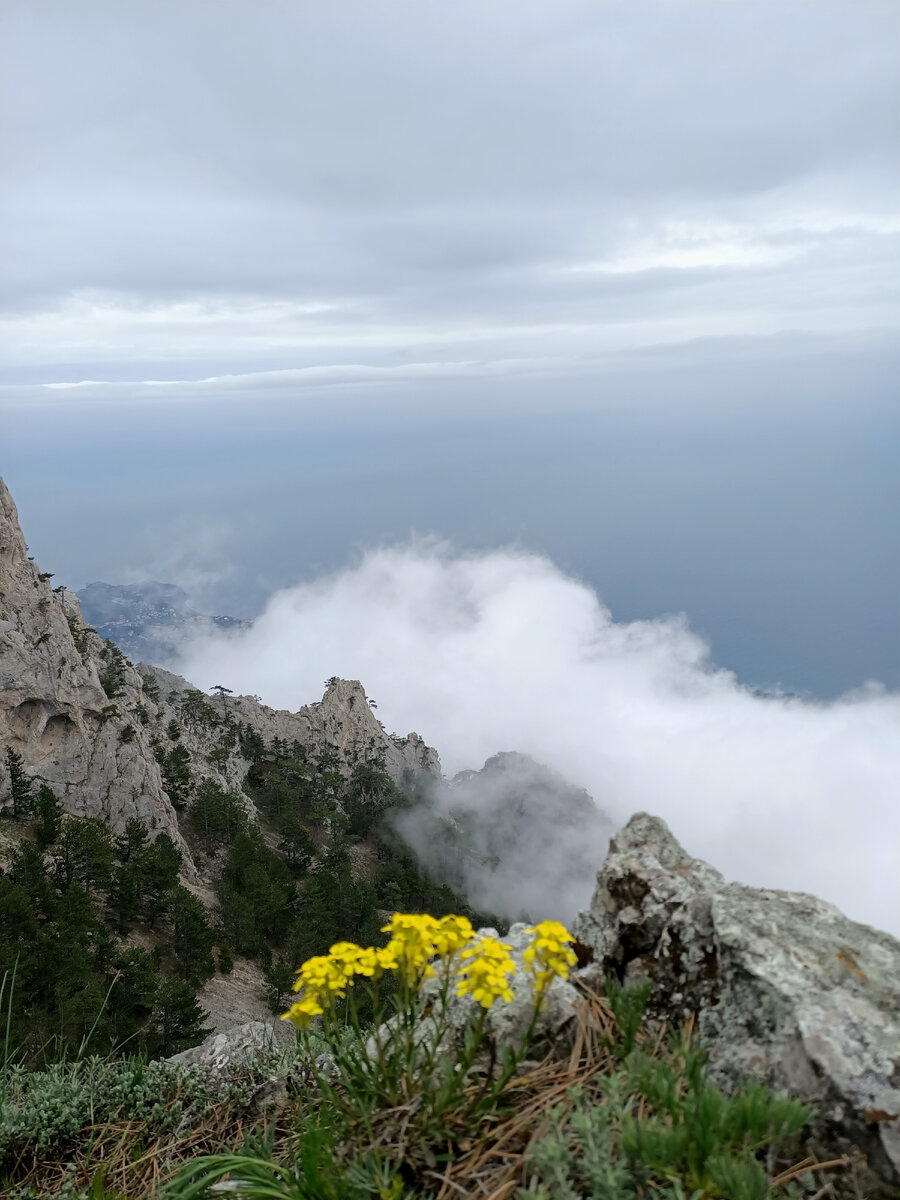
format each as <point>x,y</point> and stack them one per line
<point>502,651</point>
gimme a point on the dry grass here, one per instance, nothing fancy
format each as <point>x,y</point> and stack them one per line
<point>489,1166</point>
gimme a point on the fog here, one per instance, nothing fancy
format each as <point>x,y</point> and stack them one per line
<point>502,651</point>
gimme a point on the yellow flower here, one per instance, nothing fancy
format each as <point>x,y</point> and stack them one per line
<point>412,945</point>
<point>416,938</point>
<point>303,1012</point>
<point>453,934</point>
<point>351,960</point>
<point>324,974</point>
<point>323,979</point>
<point>485,970</point>
<point>549,955</point>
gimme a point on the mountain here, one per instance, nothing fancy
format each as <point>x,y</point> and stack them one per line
<point>148,620</point>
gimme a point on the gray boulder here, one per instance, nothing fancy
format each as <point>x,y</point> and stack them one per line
<point>260,1050</point>
<point>242,1045</point>
<point>787,990</point>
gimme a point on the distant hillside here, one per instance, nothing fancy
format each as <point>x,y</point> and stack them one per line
<point>147,620</point>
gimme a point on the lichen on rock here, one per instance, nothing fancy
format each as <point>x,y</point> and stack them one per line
<point>787,990</point>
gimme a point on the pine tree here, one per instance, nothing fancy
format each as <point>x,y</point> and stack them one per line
<point>177,1019</point>
<point>223,693</point>
<point>123,900</point>
<point>296,842</point>
<point>50,816</point>
<point>158,867</point>
<point>279,980</point>
<point>132,842</point>
<point>226,958</point>
<point>192,937</point>
<point>20,786</point>
<point>84,853</point>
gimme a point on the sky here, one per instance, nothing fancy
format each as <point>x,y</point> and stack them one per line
<point>603,286</point>
<point>195,190</point>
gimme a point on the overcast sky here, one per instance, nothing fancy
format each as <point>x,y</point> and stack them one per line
<point>197,189</point>
<point>290,252</point>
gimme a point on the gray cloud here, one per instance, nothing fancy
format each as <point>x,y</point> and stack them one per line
<point>298,184</point>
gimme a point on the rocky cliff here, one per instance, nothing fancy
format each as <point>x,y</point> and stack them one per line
<point>67,704</point>
<point>341,722</point>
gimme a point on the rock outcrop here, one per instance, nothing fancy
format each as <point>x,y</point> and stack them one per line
<point>68,704</point>
<point>786,989</point>
<point>506,1023</point>
<point>241,1044</point>
<point>342,722</point>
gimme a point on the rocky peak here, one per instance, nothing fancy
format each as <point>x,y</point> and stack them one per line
<point>520,786</point>
<point>342,722</point>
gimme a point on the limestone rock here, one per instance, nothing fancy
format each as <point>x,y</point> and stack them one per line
<point>788,990</point>
<point>82,738</point>
<point>242,1044</point>
<point>341,722</point>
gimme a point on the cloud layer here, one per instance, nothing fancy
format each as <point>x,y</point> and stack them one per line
<point>291,185</point>
<point>502,651</point>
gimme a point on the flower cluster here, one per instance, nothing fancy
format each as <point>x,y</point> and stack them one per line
<point>482,965</point>
<point>412,945</point>
<point>322,980</point>
<point>484,974</point>
<point>548,955</point>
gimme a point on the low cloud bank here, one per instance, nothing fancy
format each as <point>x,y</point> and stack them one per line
<point>502,651</point>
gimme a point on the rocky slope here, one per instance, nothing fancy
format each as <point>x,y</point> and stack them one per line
<point>781,988</point>
<point>341,722</point>
<point>94,727</point>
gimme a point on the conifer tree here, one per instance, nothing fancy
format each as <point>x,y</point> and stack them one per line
<point>159,865</point>
<point>20,786</point>
<point>50,816</point>
<point>177,1019</point>
<point>132,842</point>
<point>192,937</point>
